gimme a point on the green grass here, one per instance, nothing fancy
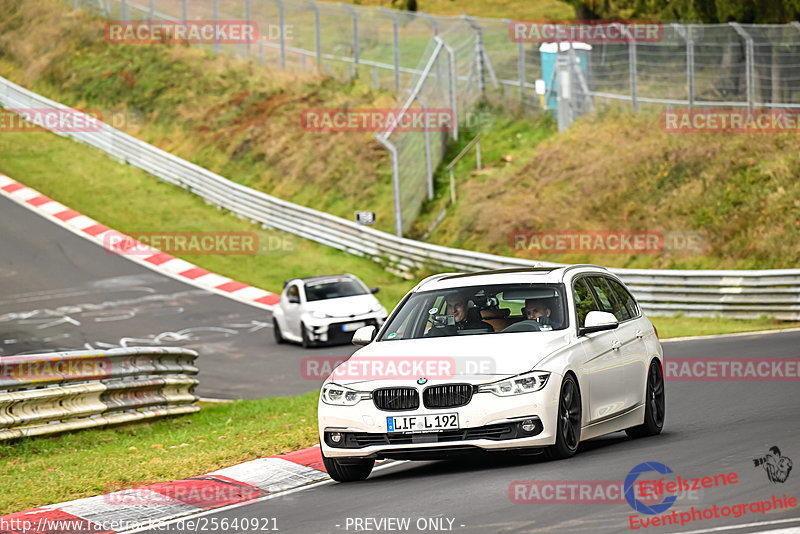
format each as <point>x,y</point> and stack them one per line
<point>681,326</point>
<point>46,470</point>
<point>130,200</point>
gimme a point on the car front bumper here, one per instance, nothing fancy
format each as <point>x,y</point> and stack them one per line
<point>488,422</point>
<point>331,330</point>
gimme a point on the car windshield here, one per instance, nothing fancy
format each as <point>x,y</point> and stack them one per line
<point>479,310</point>
<point>334,288</point>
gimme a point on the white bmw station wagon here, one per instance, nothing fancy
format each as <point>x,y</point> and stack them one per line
<point>535,359</point>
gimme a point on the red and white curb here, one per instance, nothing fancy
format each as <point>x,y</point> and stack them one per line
<point>131,508</point>
<point>152,258</point>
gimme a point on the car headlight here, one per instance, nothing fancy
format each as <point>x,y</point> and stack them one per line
<point>319,315</point>
<point>517,385</point>
<point>342,396</point>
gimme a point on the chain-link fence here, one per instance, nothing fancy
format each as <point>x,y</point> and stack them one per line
<point>434,61</point>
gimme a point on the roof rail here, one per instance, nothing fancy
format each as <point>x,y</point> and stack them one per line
<point>580,265</point>
<point>504,271</point>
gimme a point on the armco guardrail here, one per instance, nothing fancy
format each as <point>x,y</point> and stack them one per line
<point>62,391</point>
<point>740,294</point>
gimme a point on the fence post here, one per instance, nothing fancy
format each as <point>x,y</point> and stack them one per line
<point>398,216</point>
<point>564,94</point>
<point>247,18</point>
<point>355,37</point>
<point>123,10</point>
<point>633,72</point>
<point>282,25</point>
<point>748,58</point>
<point>151,13</point>
<point>217,47</point>
<point>452,85</point>
<point>396,45</point>
<point>317,45</point>
<point>184,14</point>
<point>478,60</point>
<point>428,166</point>
<point>686,33</point>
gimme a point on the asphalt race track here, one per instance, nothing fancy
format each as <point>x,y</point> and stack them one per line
<point>59,291</point>
<point>711,428</point>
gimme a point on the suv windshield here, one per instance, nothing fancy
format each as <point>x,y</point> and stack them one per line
<point>480,310</point>
<point>334,288</point>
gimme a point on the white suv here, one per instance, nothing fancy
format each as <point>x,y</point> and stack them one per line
<point>539,358</point>
<point>325,309</point>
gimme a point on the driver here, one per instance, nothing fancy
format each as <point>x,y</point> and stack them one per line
<point>537,310</point>
<point>457,307</point>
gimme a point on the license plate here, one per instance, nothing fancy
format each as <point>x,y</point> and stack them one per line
<point>349,327</point>
<point>422,423</point>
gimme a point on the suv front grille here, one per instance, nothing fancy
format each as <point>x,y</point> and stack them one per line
<point>447,396</point>
<point>396,399</point>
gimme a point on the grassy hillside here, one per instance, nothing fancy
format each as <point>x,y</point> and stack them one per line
<point>229,116</point>
<point>607,173</point>
<point>622,172</point>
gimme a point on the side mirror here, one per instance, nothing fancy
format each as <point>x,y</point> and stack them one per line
<point>293,299</point>
<point>374,290</point>
<point>364,335</point>
<point>597,321</point>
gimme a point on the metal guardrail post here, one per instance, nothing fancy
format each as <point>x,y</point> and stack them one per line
<point>749,67</point>
<point>428,166</point>
<point>317,36</point>
<point>123,10</point>
<point>282,24</point>
<point>353,14</point>
<point>452,84</point>
<point>395,46</point>
<point>152,12</point>
<point>184,14</point>
<point>398,216</point>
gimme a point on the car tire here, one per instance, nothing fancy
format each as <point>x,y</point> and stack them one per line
<point>307,343</point>
<point>350,470</point>
<point>568,421</point>
<point>655,405</point>
<point>276,330</point>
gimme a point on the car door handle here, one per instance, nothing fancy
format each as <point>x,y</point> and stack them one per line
<point>616,345</point>
<point>639,334</point>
